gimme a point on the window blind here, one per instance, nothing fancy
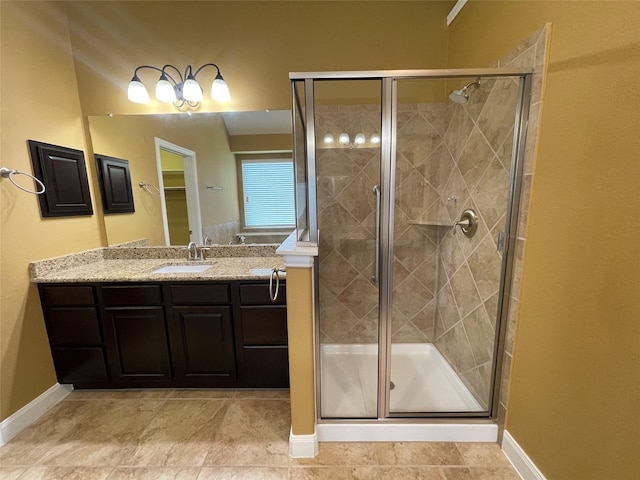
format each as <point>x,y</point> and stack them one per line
<point>268,193</point>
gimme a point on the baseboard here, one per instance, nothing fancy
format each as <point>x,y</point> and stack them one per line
<point>407,432</point>
<point>303,446</point>
<point>33,410</point>
<point>520,460</point>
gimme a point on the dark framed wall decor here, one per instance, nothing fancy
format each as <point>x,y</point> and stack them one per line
<point>64,174</point>
<point>115,184</point>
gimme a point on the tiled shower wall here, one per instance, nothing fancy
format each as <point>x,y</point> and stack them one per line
<point>477,155</point>
<point>346,219</point>
<point>532,52</point>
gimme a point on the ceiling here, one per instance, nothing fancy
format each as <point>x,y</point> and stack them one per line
<point>258,123</point>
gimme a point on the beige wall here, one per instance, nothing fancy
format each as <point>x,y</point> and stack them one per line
<point>575,384</point>
<point>281,142</point>
<point>39,102</point>
<point>256,45</point>
<point>301,370</point>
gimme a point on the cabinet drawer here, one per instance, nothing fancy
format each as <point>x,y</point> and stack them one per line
<point>264,325</point>
<point>74,326</point>
<point>68,295</point>
<point>81,365</point>
<point>258,294</point>
<point>132,295</point>
<point>266,367</point>
<point>199,294</point>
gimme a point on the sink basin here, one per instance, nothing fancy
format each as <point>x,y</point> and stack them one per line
<point>182,269</point>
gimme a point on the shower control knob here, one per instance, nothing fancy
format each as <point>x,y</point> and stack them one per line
<point>468,223</point>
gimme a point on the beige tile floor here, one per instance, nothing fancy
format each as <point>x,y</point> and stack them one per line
<point>215,435</point>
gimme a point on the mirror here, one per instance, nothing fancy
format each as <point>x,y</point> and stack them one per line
<point>186,174</point>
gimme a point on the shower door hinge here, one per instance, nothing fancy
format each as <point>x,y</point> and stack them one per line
<point>502,244</point>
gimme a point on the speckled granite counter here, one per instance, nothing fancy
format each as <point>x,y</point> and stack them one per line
<point>136,264</point>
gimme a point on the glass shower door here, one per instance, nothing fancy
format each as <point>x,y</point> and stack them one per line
<point>450,157</point>
<point>347,125</point>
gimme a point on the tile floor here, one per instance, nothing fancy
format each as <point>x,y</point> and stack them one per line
<point>215,435</point>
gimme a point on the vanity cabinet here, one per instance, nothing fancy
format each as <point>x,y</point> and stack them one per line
<point>75,333</point>
<point>167,334</point>
<point>261,341</point>
<point>202,335</point>
<point>136,333</point>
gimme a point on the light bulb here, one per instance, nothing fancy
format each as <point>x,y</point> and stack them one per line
<point>328,138</point>
<point>220,90</point>
<point>375,138</point>
<point>344,138</point>
<point>359,140</point>
<point>165,91</point>
<point>137,92</point>
<point>191,90</point>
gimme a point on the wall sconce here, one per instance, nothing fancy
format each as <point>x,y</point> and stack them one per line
<point>345,140</point>
<point>185,90</point>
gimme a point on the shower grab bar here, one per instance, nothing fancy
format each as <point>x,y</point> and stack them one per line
<point>374,278</point>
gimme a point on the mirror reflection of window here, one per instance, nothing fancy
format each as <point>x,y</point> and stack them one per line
<point>268,193</point>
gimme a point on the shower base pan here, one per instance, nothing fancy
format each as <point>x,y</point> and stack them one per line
<point>422,381</point>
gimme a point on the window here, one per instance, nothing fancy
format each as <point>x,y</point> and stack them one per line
<point>268,193</point>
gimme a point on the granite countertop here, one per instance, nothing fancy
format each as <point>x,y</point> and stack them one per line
<point>135,264</point>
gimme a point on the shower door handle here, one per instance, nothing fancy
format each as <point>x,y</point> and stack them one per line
<point>374,278</point>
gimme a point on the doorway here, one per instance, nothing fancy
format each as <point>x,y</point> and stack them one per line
<point>179,193</point>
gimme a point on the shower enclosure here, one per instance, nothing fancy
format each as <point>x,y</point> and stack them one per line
<point>409,182</point>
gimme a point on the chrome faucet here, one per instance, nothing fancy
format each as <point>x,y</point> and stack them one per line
<point>192,251</point>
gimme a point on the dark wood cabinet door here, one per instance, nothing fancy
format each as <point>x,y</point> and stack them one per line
<point>202,345</point>
<point>85,364</point>
<point>139,348</point>
<point>258,294</point>
<point>115,184</point>
<point>264,325</point>
<point>266,367</point>
<point>63,172</point>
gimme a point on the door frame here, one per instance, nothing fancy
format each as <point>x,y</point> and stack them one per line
<point>191,189</point>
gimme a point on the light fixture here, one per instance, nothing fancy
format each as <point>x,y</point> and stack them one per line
<point>359,140</point>
<point>185,90</point>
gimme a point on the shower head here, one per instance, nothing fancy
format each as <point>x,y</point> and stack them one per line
<point>459,96</point>
<point>462,95</point>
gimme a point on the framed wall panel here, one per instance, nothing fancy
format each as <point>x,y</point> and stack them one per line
<point>115,184</point>
<point>64,174</point>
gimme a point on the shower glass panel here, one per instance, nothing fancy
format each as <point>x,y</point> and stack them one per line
<point>408,302</point>
<point>449,157</point>
<point>348,127</point>
<point>300,164</point>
